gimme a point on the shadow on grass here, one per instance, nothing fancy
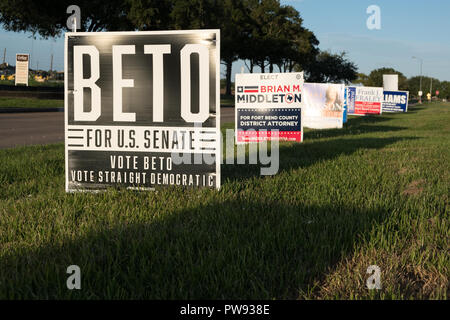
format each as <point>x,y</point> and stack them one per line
<point>354,125</point>
<point>348,130</point>
<point>415,109</point>
<point>238,249</point>
<point>358,120</point>
<point>298,155</point>
<point>232,249</point>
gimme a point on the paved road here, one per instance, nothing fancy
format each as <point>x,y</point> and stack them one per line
<point>226,115</point>
<point>18,129</point>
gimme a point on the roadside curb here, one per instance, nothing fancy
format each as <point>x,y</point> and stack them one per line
<point>23,110</point>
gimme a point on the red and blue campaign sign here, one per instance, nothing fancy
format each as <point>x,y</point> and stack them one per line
<point>268,107</point>
<point>365,100</point>
<point>395,101</point>
<point>267,124</point>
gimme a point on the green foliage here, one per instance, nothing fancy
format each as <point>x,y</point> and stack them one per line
<point>427,82</point>
<point>150,14</point>
<point>264,33</point>
<point>444,89</point>
<point>30,103</point>
<point>48,18</point>
<point>277,37</point>
<point>329,67</point>
<point>33,83</point>
<point>375,78</point>
<point>362,78</point>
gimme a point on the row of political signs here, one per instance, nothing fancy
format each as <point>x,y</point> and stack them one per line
<point>142,109</point>
<point>284,103</point>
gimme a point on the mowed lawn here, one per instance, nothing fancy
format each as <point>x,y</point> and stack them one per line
<point>373,193</point>
<point>7,102</point>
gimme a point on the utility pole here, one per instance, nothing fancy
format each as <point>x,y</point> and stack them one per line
<point>431,86</point>
<point>4,56</point>
<point>32,52</point>
<point>421,63</point>
<point>51,63</point>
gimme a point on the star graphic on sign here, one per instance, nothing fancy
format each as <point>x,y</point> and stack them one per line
<point>289,98</point>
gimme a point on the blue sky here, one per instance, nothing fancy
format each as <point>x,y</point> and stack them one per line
<point>408,28</point>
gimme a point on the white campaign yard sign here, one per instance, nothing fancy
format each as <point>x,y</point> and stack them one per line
<point>390,82</point>
<point>323,105</point>
<point>22,64</point>
<point>269,106</point>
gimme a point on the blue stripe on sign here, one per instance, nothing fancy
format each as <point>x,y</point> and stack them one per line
<point>286,119</point>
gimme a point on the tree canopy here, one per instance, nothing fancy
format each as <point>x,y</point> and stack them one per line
<point>329,67</point>
<point>427,83</point>
<point>375,78</point>
<point>263,33</point>
<point>362,78</point>
<point>48,18</point>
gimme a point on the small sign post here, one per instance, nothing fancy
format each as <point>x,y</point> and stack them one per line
<point>22,64</point>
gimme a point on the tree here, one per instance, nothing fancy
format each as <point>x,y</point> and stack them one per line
<point>303,51</point>
<point>414,85</point>
<point>362,79</point>
<point>195,14</point>
<point>150,14</point>
<point>261,38</point>
<point>376,78</point>
<point>296,44</point>
<point>235,30</point>
<point>329,67</point>
<point>277,37</point>
<point>444,90</point>
<point>230,16</point>
<point>48,18</point>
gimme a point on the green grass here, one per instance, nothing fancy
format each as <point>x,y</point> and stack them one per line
<point>33,83</point>
<point>375,192</point>
<point>6,102</point>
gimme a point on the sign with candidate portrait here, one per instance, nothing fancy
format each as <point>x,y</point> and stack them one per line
<point>395,101</point>
<point>269,107</point>
<point>365,100</point>
<point>142,109</point>
<point>323,105</point>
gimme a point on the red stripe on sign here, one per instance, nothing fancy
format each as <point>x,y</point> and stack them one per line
<point>366,107</point>
<point>258,136</point>
<point>250,91</point>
